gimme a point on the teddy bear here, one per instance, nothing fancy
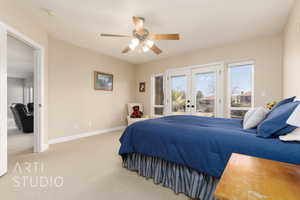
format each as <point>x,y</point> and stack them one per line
<point>271,104</point>
<point>136,112</point>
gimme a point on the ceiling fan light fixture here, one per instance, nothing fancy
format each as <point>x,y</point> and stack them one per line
<point>145,48</point>
<point>142,39</point>
<point>132,47</point>
<point>135,42</point>
<point>149,43</point>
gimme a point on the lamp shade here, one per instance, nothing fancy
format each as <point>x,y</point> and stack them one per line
<point>294,119</point>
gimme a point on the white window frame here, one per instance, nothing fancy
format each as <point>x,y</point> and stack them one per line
<point>238,64</point>
<point>153,106</point>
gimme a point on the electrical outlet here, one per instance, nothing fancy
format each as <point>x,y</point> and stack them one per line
<point>90,124</point>
<point>76,126</point>
<point>122,118</point>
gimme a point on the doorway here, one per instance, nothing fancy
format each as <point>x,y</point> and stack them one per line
<point>20,97</point>
<point>38,65</point>
<point>196,90</point>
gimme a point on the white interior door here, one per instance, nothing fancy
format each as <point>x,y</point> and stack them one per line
<point>196,90</point>
<point>38,139</point>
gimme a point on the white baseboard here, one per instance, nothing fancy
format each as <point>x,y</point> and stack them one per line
<point>45,147</point>
<point>83,135</point>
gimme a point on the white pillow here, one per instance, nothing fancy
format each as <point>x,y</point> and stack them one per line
<point>292,136</point>
<point>254,116</point>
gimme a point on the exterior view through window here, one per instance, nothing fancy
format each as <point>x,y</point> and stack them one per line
<point>179,89</point>
<point>240,88</point>
<point>206,94</point>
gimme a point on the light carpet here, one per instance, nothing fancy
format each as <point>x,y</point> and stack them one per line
<point>18,143</point>
<point>88,169</point>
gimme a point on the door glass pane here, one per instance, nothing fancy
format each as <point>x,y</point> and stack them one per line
<point>159,94</point>
<point>205,94</point>
<point>237,114</point>
<point>241,86</point>
<point>158,111</point>
<point>178,90</point>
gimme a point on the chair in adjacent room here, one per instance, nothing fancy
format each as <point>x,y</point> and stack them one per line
<point>30,107</point>
<point>23,119</point>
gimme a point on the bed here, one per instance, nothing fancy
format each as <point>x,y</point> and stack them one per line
<point>189,153</point>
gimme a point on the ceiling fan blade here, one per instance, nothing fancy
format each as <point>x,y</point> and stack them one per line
<point>113,35</point>
<point>126,50</point>
<point>139,24</point>
<point>163,37</point>
<point>156,50</point>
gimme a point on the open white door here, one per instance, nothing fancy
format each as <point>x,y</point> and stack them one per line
<point>3,101</point>
<point>38,99</point>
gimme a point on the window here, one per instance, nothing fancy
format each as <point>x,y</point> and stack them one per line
<point>240,76</point>
<point>157,83</point>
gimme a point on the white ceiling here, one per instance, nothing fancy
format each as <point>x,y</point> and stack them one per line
<point>19,59</point>
<point>201,23</point>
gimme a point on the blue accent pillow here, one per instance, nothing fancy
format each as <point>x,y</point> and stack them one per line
<point>282,102</point>
<point>275,123</point>
<point>285,130</point>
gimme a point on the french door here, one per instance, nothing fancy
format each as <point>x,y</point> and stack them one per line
<point>178,92</point>
<point>196,90</point>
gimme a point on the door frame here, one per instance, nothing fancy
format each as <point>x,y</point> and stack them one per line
<point>40,144</point>
<point>219,66</point>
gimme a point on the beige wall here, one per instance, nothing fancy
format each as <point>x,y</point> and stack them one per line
<point>266,52</point>
<point>291,67</point>
<point>16,17</point>
<point>73,103</point>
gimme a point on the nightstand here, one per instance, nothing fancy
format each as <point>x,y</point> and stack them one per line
<point>251,178</point>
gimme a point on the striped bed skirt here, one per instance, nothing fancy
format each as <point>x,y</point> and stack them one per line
<point>179,178</point>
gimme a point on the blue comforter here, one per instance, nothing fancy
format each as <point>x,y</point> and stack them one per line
<point>204,144</point>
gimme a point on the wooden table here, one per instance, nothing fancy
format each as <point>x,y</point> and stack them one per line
<point>250,178</point>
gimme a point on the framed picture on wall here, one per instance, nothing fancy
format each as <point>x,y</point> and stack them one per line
<point>142,87</point>
<point>103,81</point>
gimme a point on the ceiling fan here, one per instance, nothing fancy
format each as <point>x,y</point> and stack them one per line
<point>141,36</point>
